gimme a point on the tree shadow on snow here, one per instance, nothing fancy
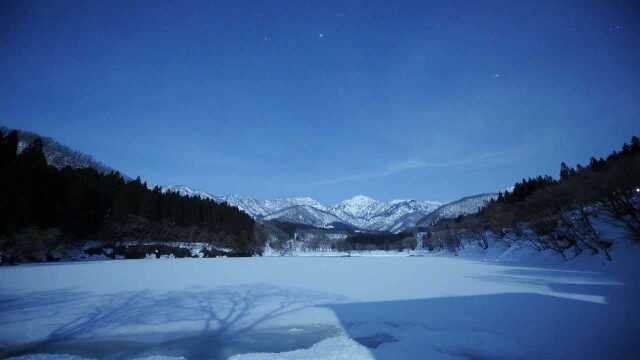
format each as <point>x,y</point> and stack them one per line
<point>195,323</point>
<point>553,315</point>
<point>585,285</point>
<point>576,317</point>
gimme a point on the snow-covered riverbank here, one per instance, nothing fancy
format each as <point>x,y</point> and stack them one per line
<point>434,307</point>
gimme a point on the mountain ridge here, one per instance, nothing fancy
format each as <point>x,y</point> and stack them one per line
<point>360,211</point>
<point>463,206</point>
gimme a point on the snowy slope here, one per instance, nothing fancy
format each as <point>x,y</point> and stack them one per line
<point>282,203</point>
<point>304,214</point>
<point>358,207</point>
<point>357,210</point>
<point>368,213</point>
<point>254,207</point>
<point>466,205</point>
<point>188,191</point>
<point>261,208</point>
<point>360,211</point>
<point>394,210</point>
<point>407,221</point>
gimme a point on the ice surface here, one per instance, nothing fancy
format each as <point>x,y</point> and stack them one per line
<point>481,305</point>
<point>338,348</point>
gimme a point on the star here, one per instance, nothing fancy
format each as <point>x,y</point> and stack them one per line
<point>616,28</point>
<point>320,35</point>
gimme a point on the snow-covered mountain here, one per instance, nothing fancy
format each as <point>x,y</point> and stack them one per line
<point>257,209</point>
<point>261,208</point>
<point>188,191</point>
<point>254,207</point>
<point>307,215</point>
<point>407,221</point>
<point>367,213</point>
<point>466,205</point>
<point>356,209</point>
<point>360,211</point>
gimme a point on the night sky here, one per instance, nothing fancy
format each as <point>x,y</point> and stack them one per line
<point>392,99</point>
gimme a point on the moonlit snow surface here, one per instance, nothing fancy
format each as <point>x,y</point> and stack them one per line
<point>319,308</point>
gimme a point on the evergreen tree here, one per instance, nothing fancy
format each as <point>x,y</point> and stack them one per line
<point>635,144</point>
<point>80,204</point>
<point>12,146</point>
<point>3,151</point>
<point>32,157</point>
<point>565,171</point>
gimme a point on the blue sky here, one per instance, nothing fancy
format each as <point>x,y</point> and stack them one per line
<point>426,100</point>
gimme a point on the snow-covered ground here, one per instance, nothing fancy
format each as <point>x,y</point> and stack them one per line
<point>514,305</point>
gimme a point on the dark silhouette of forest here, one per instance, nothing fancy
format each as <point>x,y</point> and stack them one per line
<point>377,241</point>
<point>558,214</point>
<point>43,208</point>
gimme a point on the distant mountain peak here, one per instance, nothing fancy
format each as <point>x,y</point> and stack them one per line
<point>361,198</point>
<point>360,211</point>
<point>358,201</point>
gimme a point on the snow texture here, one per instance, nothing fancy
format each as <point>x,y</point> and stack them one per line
<point>503,303</point>
<point>464,206</point>
<point>304,214</point>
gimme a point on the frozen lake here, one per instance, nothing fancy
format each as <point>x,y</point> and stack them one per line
<point>298,308</point>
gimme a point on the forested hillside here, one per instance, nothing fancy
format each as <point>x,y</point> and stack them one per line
<point>43,208</point>
<point>559,214</point>
<point>58,155</point>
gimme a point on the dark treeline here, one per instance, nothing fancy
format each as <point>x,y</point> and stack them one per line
<point>559,214</point>
<point>59,155</point>
<point>44,208</point>
<point>377,241</point>
<point>524,189</point>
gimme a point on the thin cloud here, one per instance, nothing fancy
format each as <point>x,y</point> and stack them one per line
<point>410,164</point>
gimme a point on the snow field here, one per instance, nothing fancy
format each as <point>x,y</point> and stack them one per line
<point>479,305</point>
